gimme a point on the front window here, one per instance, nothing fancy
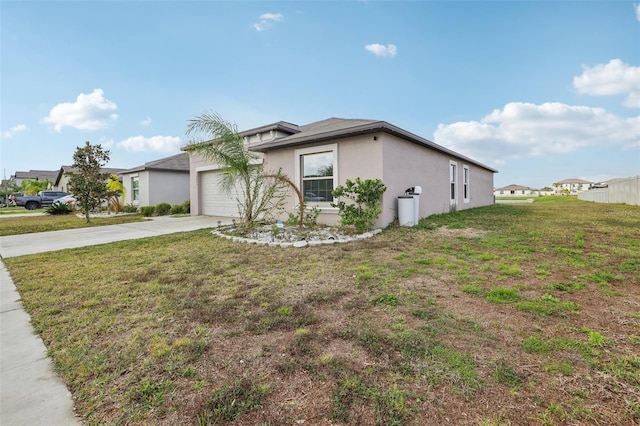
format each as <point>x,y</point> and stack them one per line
<point>316,172</point>
<point>135,189</point>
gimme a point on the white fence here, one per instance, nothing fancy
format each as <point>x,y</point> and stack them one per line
<point>620,191</point>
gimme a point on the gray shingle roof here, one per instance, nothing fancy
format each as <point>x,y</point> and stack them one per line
<point>176,163</point>
<point>333,128</point>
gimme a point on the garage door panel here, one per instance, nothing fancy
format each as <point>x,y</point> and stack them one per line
<point>215,200</point>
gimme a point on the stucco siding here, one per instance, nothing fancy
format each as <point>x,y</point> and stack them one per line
<point>167,187</point>
<point>407,165</point>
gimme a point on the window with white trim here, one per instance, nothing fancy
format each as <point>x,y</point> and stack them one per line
<point>135,189</point>
<point>465,183</point>
<point>453,169</point>
<point>316,172</point>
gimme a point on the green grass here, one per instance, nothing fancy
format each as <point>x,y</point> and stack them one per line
<point>414,326</point>
<point>39,223</point>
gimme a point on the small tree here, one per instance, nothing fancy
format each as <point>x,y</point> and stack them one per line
<point>87,183</point>
<point>364,208</point>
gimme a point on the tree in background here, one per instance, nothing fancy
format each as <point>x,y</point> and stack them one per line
<point>219,141</point>
<point>115,190</point>
<point>87,183</point>
<point>33,186</point>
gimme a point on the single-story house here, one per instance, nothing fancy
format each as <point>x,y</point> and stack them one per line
<point>160,181</point>
<point>514,190</point>
<point>61,182</point>
<point>322,155</point>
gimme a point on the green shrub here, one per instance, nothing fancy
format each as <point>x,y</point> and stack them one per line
<point>364,208</point>
<point>148,211</point>
<point>187,206</point>
<point>163,209</point>
<point>178,209</point>
<point>130,208</point>
<point>58,208</point>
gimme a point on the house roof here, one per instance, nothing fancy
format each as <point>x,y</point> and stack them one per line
<point>513,187</point>
<point>333,128</point>
<point>280,125</point>
<point>40,175</point>
<point>175,163</point>
<point>574,180</point>
<point>70,169</point>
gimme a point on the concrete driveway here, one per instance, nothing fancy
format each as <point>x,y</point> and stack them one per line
<point>31,393</point>
<point>18,245</point>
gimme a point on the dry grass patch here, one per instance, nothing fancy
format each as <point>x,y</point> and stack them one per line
<point>398,329</point>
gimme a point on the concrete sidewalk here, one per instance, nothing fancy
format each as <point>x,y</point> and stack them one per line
<point>31,393</point>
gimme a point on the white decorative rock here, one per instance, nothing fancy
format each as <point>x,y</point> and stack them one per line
<point>285,245</point>
<point>299,244</point>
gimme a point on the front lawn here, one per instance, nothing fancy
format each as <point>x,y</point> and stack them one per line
<point>509,314</point>
<point>43,223</point>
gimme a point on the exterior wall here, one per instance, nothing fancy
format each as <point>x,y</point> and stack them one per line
<point>157,186</point>
<point>517,193</point>
<point>621,191</point>
<point>400,165</point>
<point>166,186</point>
<point>407,165</point>
<point>63,185</point>
<point>359,156</point>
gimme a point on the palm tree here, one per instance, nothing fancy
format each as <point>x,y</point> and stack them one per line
<point>222,144</point>
<point>115,189</point>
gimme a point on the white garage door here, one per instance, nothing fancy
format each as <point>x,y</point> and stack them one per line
<point>215,200</point>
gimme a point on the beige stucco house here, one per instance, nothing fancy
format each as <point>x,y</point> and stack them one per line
<point>514,190</point>
<point>161,181</point>
<point>322,155</point>
<point>572,185</point>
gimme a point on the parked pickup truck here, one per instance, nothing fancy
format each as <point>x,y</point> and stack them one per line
<point>44,198</point>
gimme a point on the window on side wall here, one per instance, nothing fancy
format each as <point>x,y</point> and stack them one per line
<point>135,189</point>
<point>465,183</point>
<point>453,170</point>
<point>316,172</point>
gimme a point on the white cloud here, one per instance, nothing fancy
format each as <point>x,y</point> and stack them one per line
<point>614,78</point>
<point>154,144</point>
<point>521,130</point>
<point>637,8</point>
<point>88,112</point>
<point>389,50</point>
<point>267,20</point>
<point>15,129</point>
<point>146,122</point>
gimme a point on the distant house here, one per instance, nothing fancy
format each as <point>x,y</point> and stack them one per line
<point>514,190</point>
<point>165,180</point>
<point>546,191</point>
<point>322,155</point>
<point>39,175</point>
<point>573,186</point>
<point>61,181</point>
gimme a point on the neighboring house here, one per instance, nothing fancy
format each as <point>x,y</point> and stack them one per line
<point>322,155</point>
<point>572,185</point>
<point>515,191</point>
<point>160,181</point>
<point>40,175</point>
<point>546,191</point>
<point>61,181</point>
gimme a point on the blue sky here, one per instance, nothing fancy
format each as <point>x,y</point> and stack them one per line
<point>542,91</point>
